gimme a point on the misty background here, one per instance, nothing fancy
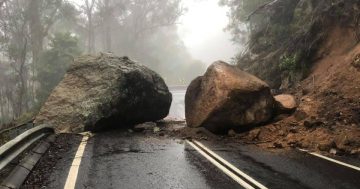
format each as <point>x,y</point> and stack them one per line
<point>39,39</point>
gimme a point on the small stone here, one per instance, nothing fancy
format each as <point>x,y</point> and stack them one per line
<point>138,129</point>
<point>156,129</point>
<point>312,122</point>
<point>278,145</point>
<point>282,133</point>
<point>333,151</point>
<point>285,103</point>
<point>305,91</point>
<point>294,130</point>
<point>355,151</point>
<point>231,133</point>
<point>254,134</point>
<point>326,145</point>
<point>300,115</point>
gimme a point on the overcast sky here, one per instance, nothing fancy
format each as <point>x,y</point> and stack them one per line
<point>201,29</point>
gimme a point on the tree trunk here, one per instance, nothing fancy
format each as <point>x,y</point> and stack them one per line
<point>2,104</point>
<point>37,38</point>
<point>107,26</point>
<point>91,35</point>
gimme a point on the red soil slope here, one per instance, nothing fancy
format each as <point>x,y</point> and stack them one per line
<point>328,117</point>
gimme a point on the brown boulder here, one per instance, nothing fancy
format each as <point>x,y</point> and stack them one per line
<point>285,103</point>
<point>227,97</point>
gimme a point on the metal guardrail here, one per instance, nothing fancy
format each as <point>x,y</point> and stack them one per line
<point>13,148</point>
<point>10,133</point>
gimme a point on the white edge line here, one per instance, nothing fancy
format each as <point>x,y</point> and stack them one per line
<point>221,167</point>
<point>73,172</point>
<point>332,160</point>
<point>232,167</point>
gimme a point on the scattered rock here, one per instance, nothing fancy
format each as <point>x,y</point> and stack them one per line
<point>355,151</point>
<point>312,123</point>
<point>227,97</point>
<point>285,103</point>
<point>280,117</point>
<point>356,62</point>
<point>278,145</point>
<point>326,145</point>
<point>105,91</point>
<point>144,126</point>
<point>231,133</point>
<point>282,133</point>
<point>156,129</point>
<point>254,134</point>
<point>305,91</point>
<point>300,115</point>
<point>333,151</point>
<point>294,130</point>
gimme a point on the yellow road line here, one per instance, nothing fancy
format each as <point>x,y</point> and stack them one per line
<point>73,173</point>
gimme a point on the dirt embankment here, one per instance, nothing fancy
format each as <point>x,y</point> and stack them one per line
<point>328,116</point>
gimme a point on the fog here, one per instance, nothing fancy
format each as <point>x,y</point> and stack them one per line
<point>202,30</point>
<point>39,39</point>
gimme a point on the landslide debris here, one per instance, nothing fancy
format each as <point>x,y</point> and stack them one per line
<point>103,91</point>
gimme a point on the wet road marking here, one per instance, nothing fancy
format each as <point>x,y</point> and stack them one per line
<point>231,166</point>
<point>74,169</point>
<point>225,166</point>
<point>332,160</point>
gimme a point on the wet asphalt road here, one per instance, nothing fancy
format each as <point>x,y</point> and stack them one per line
<point>133,160</point>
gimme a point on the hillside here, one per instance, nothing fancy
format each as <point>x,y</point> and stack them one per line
<point>319,64</point>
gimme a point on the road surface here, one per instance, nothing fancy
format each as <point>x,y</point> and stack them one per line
<point>131,160</point>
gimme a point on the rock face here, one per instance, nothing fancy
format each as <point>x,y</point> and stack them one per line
<point>227,97</point>
<point>285,103</point>
<point>104,91</point>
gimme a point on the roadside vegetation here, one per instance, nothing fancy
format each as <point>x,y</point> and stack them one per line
<point>284,36</point>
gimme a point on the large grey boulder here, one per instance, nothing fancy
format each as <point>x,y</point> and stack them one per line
<point>227,97</point>
<point>104,91</point>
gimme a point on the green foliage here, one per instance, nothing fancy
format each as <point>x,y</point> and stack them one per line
<point>288,63</point>
<point>239,23</point>
<point>54,62</point>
